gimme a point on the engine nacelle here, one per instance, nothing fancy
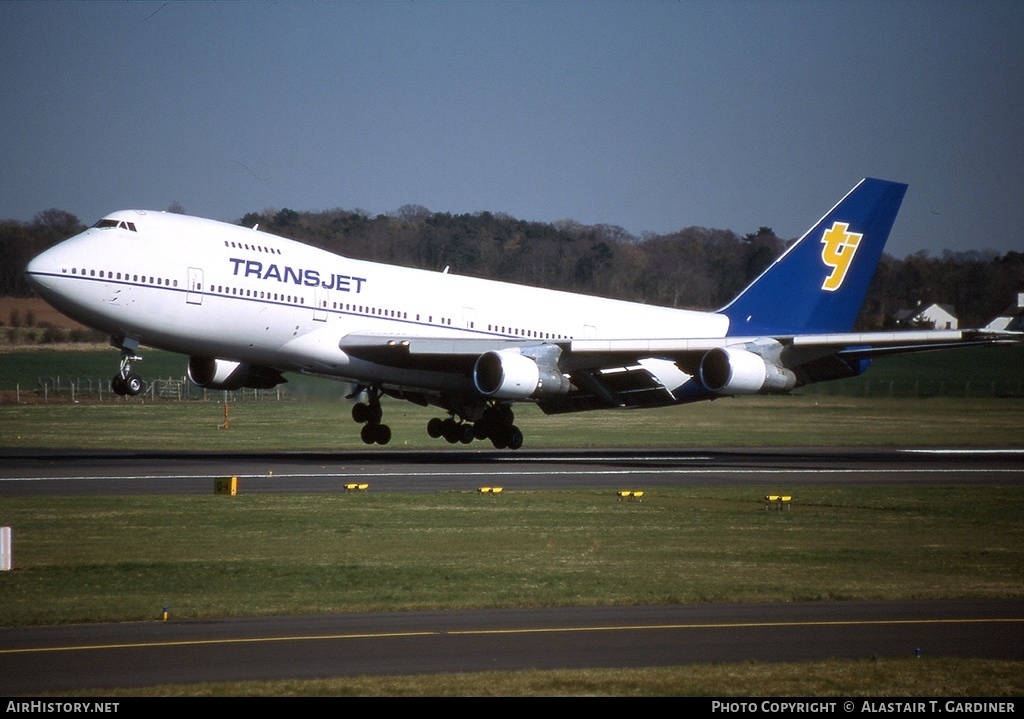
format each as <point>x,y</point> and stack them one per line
<point>212,373</point>
<point>509,374</point>
<point>736,371</point>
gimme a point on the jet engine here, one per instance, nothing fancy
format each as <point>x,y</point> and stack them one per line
<point>212,373</point>
<point>738,371</point>
<point>520,374</point>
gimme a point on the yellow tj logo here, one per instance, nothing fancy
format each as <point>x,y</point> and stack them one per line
<point>839,248</point>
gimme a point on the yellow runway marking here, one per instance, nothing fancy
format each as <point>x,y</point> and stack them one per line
<point>478,632</point>
<point>737,625</point>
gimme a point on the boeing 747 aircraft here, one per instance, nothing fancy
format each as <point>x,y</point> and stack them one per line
<point>248,307</point>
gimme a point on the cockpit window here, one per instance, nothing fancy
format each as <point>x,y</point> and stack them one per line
<point>107,222</point>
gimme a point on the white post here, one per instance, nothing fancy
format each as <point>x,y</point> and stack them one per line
<point>5,548</point>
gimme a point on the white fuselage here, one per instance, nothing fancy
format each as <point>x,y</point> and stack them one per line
<point>211,289</point>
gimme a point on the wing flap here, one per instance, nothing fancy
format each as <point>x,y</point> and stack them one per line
<point>656,347</point>
<point>622,387</point>
<point>359,344</point>
<point>441,354</point>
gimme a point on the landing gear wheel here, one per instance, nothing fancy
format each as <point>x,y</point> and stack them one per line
<point>371,413</point>
<point>435,428</point>
<point>507,437</point>
<point>481,430</point>
<point>515,438</point>
<point>450,430</point>
<point>375,434</point>
<point>367,433</point>
<point>133,385</point>
<point>360,412</point>
<point>499,438</point>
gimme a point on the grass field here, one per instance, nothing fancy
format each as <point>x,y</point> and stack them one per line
<point>895,678</point>
<point>327,426</point>
<point>83,559</point>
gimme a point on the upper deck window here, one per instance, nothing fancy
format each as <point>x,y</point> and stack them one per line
<point>107,222</point>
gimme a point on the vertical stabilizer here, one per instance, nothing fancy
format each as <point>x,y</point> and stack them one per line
<point>819,283</point>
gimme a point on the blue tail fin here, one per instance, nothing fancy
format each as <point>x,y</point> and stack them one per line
<point>818,284</point>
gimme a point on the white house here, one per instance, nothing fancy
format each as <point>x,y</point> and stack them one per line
<point>940,317</point>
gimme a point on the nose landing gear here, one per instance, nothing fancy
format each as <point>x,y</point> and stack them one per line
<point>126,382</point>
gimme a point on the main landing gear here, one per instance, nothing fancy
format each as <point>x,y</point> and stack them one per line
<point>126,382</point>
<point>369,415</point>
<point>496,424</point>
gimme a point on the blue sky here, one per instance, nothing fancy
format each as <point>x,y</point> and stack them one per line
<point>653,116</point>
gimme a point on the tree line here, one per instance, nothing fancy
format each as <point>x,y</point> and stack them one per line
<point>695,267</point>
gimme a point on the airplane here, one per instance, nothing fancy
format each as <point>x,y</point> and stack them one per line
<point>247,307</point>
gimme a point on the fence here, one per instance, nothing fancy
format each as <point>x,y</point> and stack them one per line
<point>64,389</point>
<point>97,389</point>
<point>917,388</point>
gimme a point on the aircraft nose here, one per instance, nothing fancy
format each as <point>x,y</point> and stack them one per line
<point>44,271</point>
<point>40,267</point>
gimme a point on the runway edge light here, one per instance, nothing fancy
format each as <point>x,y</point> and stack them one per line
<point>777,501</point>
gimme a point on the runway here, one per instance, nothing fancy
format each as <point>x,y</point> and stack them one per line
<point>83,472</point>
<point>108,656</point>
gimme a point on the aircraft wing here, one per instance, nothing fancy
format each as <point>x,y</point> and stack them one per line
<point>858,345</point>
<point>450,353</point>
<point>658,372</point>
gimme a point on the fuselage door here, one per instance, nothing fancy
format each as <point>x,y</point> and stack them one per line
<point>195,286</point>
<point>320,300</point>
